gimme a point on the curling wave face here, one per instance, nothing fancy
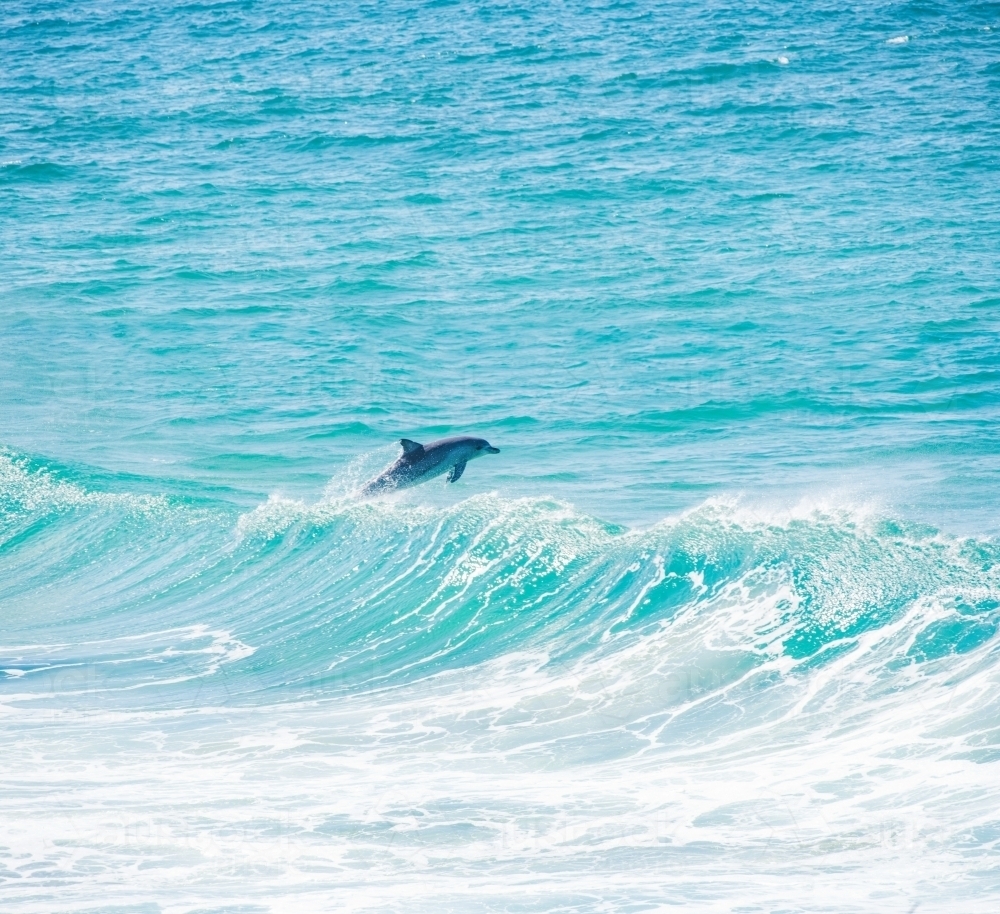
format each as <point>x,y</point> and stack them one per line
<point>343,595</point>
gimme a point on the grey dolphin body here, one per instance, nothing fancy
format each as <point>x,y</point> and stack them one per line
<point>420,462</point>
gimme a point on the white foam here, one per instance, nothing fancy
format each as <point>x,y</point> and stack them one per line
<point>625,774</point>
<point>124,663</point>
<point>899,39</point>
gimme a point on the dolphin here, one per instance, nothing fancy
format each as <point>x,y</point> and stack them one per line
<point>420,462</point>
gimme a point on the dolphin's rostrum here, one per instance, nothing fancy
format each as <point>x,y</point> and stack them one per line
<point>420,462</point>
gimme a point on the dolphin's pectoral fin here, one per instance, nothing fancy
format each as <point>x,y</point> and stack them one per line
<point>456,471</point>
<point>410,446</point>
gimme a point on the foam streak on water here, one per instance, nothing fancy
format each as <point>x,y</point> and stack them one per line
<point>716,630</point>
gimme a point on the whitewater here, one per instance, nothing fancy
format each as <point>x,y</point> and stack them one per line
<point>716,630</point>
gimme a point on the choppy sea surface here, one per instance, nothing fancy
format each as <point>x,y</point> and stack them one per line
<point>717,630</point>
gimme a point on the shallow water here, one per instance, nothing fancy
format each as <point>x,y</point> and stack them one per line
<point>717,629</point>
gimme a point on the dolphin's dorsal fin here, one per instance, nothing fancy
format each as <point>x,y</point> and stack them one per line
<point>410,447</point>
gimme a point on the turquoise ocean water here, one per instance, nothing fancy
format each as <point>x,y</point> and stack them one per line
<point>717,630</point>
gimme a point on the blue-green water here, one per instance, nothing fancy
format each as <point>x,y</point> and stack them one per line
<point>715,631</point>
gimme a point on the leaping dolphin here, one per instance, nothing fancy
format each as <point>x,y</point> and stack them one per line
<point>420,462</point>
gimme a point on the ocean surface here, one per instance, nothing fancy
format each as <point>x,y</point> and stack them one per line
<point>716,631</point>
